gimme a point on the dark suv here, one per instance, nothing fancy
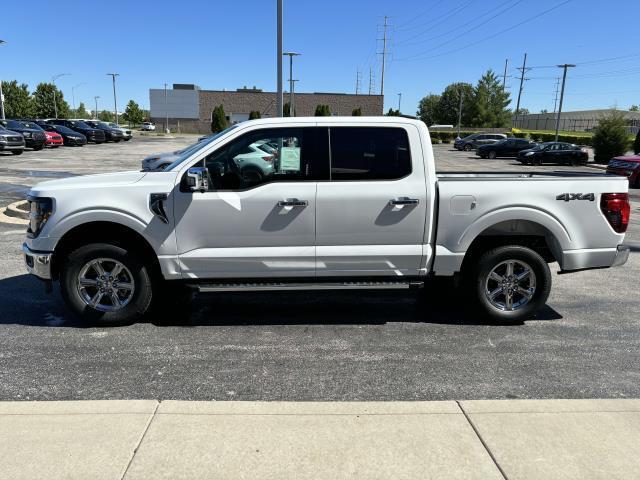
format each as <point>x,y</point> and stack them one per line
<point>509,147</point>
<point>474,140</point>
<point>111,134</point>
<point>33,137</point>
<point>94,135</point>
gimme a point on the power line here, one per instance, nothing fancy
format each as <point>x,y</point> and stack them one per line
<point>400,27</point>
<point>508,29</point>
<point>437,21</point>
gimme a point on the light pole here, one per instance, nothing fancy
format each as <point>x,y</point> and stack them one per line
<point>166,111</point>
<point>1,94</point>
<point>53,80</point>
<point>279,99</point>
<point>564,79</point>
<point>73,94</point>
<point>95,112</point>
<point>115,102</point>
<point>291,80</point>
<point>399,102</point>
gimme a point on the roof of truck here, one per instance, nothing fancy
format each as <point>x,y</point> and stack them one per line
<point>336,120</point>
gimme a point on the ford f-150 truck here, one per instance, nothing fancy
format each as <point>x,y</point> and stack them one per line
<point>350,203</point>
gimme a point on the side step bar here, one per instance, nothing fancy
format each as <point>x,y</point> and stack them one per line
<point>267,287</point>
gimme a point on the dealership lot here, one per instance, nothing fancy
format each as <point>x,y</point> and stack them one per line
<point>303,346</point>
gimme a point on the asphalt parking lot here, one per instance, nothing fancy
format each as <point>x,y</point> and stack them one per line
<point>301,346</point>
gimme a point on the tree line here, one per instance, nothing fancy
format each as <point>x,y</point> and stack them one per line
<point>19,102</point>
<point>483,105</point>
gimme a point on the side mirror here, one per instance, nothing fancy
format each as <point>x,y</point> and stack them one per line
<point>198,179</point>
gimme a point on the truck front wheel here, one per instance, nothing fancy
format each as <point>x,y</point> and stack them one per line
<point>510,283</point>
<point>106,284</point>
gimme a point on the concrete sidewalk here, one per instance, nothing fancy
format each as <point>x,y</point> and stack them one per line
<point>485,439</point>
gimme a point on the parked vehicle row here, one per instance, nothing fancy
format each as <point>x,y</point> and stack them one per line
<point>18,134</point>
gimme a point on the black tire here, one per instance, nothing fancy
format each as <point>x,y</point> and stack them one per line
<point>495,259</point>
<point>492,154</point>
<point>252,175</point>
<point>139,302</point>
<point>17,152</point>
<point>537,162</point>
<point>467,148</point>
<point>37,149</point>
<point>576,162</point>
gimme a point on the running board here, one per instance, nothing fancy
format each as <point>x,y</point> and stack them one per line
<point>269,287</point>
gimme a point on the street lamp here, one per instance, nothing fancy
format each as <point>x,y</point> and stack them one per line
<point>53,80</point>
<point>166,111</point>
<point>1,94</point>
<point>95,112</point>
<point>291,80</point>
<point>115,103</point>
<point>73,95</point>
<point>399,102</point>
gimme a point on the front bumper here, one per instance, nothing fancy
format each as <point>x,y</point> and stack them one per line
<point>37,263</point>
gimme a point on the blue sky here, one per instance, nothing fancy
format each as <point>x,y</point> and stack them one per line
<point>228,45</point>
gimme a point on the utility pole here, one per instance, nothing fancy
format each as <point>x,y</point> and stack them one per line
<point>399,102</point>
<point>504,77</point>
<point>95,112</point>
<point>523,70</point>
<point>370,80</point>
<point>460,113</point>
<point>55,103</point>
<point>291,80</point>
<point>555,99</point>
<point>358,79</point>
<point>564,79</point>
<point>73,94</point>
<point>279,95</point>
<point>292,105</point>
<point>115,103</point>
<point>1,94</point>
<point>166,111</point>
<point>384,53</point>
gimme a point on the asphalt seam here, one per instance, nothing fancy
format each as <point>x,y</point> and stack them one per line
<point>144,433</point>
<point>484,444</point>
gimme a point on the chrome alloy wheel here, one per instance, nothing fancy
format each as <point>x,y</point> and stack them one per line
<point>510,285</point>
<point>105,284</point>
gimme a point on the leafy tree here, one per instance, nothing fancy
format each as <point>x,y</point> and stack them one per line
<point>43,101</point>
<point>544,110</point>
<point>218,119</point>
<point>105,116</point>
<point>393,113</point>
<point>254,115</point>
<point>636,144</point>
<point>610,138</point>
<point>356,112</point>
<point>286,110</point>
<point>522,111</point>
<point>132,113</point>
<point>323,111</point>
<point>428,109</point>
<point>17,100</point>
<point>449,104</point>
<point>81,111</point>
<point>634,108</point>
<point>490,101</point>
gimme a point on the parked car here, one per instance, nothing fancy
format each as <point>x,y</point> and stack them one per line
<point>11,141</point>
<point>126,132</point>
<point>355,204</point>
<point>554,152</point>
<point>33,137</point>
<point>94,135</point>
<point>111,134</point>
<point>627,166</point>
<point>473,141</point>
<point>509,147</point>
<point>52,139</point>
<point>147,127</point>
<point>70,138</point>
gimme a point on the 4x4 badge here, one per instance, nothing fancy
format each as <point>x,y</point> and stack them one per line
<point>576,196</point>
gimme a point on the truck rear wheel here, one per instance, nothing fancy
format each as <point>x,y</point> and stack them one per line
<point>510,283</point>
<point>106,284</point>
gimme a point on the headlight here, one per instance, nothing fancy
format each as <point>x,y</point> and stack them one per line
<point>528,154</point>
<point>27,134</point>
<point>40,211</point>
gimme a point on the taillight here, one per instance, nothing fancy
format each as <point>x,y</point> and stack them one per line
<point>616,209</point>
<point>268,159</point>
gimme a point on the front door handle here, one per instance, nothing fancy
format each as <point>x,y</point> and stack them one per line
<point>403,201</point>
<point>292,202</point>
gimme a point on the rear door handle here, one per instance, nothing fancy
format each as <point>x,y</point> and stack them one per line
<point>403,201</point>
<point>293,202</point>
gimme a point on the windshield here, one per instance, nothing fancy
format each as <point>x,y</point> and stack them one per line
<point>10,124</point>
<point>187,152</point>
<point>33,126</point>
<point>80,124</point>
<point>65,130</point>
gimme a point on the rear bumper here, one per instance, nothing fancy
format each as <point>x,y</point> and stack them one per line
<point>594,258</point>
<point>37,263</point>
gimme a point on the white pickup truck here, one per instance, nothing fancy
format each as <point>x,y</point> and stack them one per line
<point>350,203</point>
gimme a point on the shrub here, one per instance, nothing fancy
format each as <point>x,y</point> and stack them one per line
<point>218,120</point>
<point>610,138</point>
<point>636,144</point>
<point>254,114</point>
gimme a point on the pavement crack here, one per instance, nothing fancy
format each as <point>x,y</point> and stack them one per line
<point>484,444</point>
<point>144,433</point>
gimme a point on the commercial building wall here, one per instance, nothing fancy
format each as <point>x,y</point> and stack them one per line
<point>577,121</point>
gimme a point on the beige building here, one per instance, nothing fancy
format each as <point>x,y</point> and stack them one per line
<point>189,108</point>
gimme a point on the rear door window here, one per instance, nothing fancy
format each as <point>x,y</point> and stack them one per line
<point>369,153</point>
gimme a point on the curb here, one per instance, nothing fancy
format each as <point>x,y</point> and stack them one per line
<point>14,215</point>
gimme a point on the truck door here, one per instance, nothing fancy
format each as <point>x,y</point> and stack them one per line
<point>370,216</point>
<point>258,217</point>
